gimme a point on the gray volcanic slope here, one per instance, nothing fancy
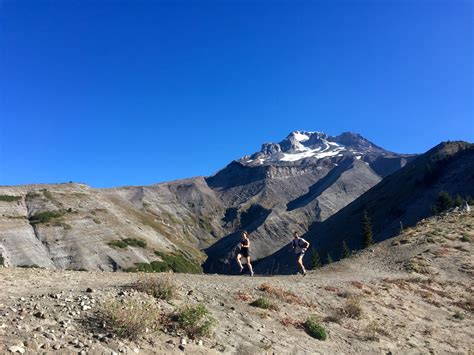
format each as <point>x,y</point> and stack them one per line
<point>404,197</point>
<point>304,179</point>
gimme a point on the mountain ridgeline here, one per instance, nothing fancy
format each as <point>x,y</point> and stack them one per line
<point>309,182</point>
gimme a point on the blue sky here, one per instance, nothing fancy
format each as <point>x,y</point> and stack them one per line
<point>136,92</point>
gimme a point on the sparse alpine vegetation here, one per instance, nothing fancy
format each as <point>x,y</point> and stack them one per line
<point>124,243</point>
<point>45,217</point>
<point>10,198</point>
<point>196,321</point>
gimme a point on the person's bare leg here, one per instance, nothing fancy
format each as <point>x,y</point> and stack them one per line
<point>239,262</point>
<point>300,264</point>
<point>250,266</point>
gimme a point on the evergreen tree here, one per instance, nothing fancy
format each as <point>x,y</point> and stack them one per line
<point>443,202</point>
<point>345,250</point>
<point>367,235</point>
<point>458,201</point>
<point>329,259</point>
<point>315,260</point>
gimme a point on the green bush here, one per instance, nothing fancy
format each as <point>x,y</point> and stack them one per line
<point>196,321</point>
<point>314,329</point>
<point>118,244</point>
<point>179,263</point>
<point>133,242</point>
<point>45,217</point>
<point>124,243</point>
<point>9,198</point>
<point>263,303</point>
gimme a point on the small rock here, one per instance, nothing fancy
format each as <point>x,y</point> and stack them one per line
<point>90,290</point>
<point>56,346</point>
<point>136,350</point>
<point>16,349</point>
<point>183,341</point>
<point>200,343</point>
<point>181,347</point>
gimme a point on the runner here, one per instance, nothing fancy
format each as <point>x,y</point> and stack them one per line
<point>244,252</point>
<point>299,246</point>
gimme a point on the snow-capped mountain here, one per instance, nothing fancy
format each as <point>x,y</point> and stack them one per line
<point>306,147</point>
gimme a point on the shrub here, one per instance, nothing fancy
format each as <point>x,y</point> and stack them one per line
<point>2,260</point>
<point>129,318</point>
<point>133,242</point>
<point>154,266</point>
<point>352,308</point>
<point>45,217</point>
<point>118,244</point>
<point>9,198</point>
<point>264,303</point>
<point>124,243</point>
<point>161,288</point>
<point>283,295</point>
<point>179,263</point>
<point>196,321</point>
<point>314,329</point>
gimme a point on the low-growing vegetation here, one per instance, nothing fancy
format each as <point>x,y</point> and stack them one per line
<point>179,263</point>
<point>162,288</point>
<point>264,303</point>
<point>10,198</point>
<point>283,295</point>
<point>314,329</point>
<point>124,243</point>
<point>196,321</point>
<point>175,262</point>
<point>129,318</point>
<point>45,217</point>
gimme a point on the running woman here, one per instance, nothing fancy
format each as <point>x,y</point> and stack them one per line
<point>244,252</point>
<point>299,246</point>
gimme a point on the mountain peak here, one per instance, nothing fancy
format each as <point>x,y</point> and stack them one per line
<point>311,146</point>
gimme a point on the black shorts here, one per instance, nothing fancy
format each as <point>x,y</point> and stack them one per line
<point>244,252</point>
<point>299,254</point>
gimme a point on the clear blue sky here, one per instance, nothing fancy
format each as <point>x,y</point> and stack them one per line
<point>136,92</point>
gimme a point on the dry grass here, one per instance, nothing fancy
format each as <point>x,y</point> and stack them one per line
<point>243,296</point>
<point>281,294</point>
<point>288,321</point>
<point>162,287</point>
<point>352,308</point>
<point>130,318</point>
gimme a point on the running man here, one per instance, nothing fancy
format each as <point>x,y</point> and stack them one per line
<point>244,252</point>
<point>299,246</point>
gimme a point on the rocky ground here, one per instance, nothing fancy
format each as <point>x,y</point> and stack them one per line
<point>409,294</point>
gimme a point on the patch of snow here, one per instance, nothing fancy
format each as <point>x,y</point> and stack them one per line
<point>334,144</point>
<point>300,137</point>
<point>310,153</point>
<point>358,157</point>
